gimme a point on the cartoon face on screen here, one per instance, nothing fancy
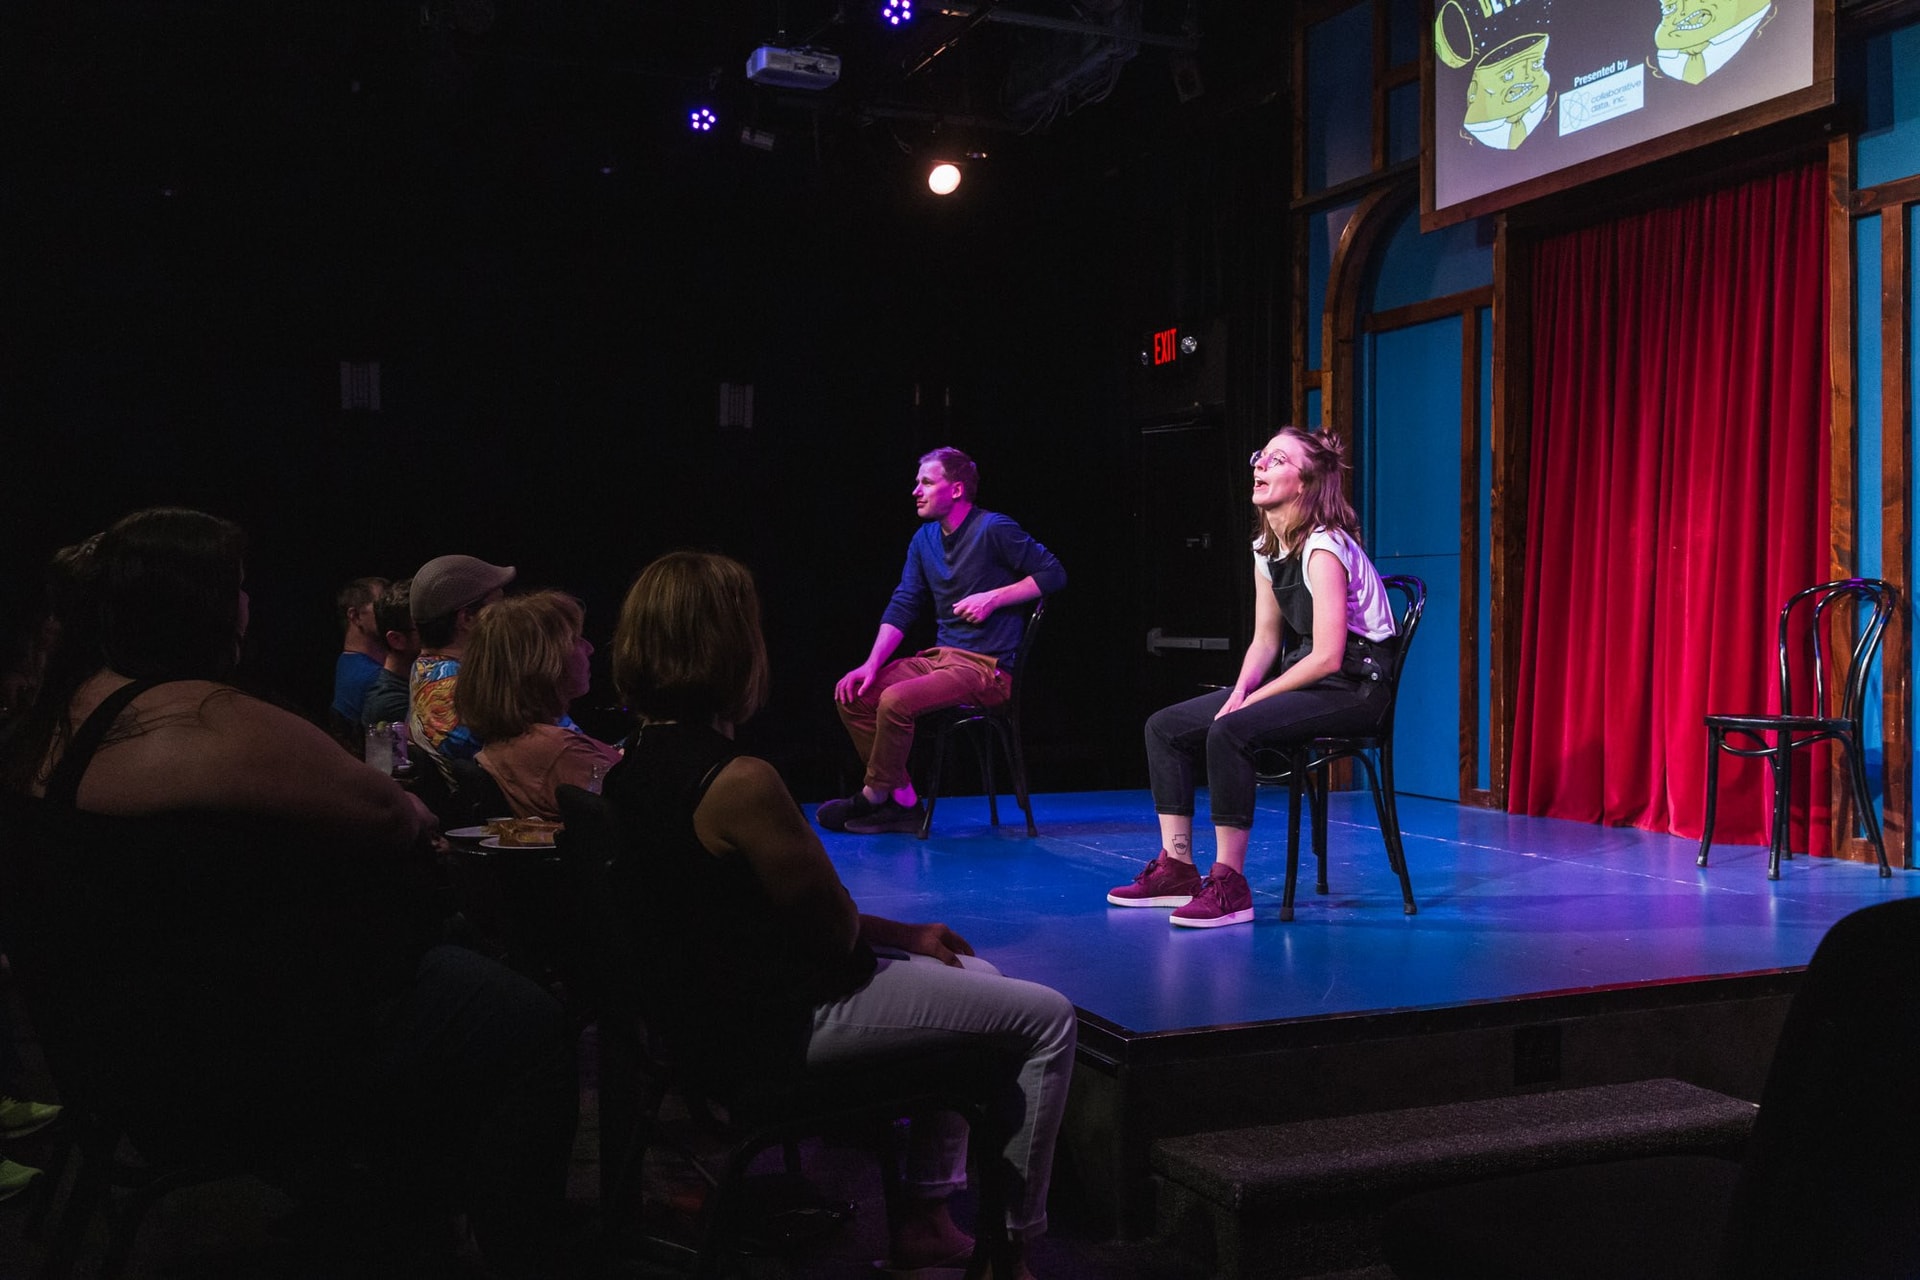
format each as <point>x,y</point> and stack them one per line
<point>1507,96</point>
<point>1696,38</point>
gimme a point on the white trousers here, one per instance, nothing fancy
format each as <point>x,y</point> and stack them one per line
<point>915,1002</point>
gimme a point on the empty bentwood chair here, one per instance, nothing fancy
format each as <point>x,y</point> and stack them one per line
<point>990,725</point>
<point>1305,767</point>
<point>1833,715</point>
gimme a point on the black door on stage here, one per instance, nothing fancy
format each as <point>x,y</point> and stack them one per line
<point>1191,522</point>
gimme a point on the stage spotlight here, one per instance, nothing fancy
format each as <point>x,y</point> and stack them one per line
<point>943,179</point>
<point>897,13</point>
<point>701,120</point>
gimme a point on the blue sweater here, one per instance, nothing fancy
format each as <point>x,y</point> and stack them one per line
<point>988,550</point>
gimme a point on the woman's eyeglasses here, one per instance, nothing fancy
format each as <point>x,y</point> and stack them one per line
<point>1261,459</point>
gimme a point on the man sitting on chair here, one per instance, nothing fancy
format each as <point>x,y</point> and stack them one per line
<point>970,565</point>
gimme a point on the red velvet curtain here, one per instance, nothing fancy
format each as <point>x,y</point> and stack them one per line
<point>1677,496</point>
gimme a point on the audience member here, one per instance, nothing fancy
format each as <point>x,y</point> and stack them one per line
<point>216,907</point>
<point>1321,613</point>
<point>969,566</point>
<point>526,662</point>
<point>389,697</point>
<point>760,956</point>
<point>448,594</point>
<point>362,651</point>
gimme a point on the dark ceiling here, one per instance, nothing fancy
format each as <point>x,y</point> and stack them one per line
<point>500,85</point>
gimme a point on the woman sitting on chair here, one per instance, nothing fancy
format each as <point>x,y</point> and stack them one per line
<point>761,950</point>
<point>215,911</point>
<point>525,663</point>
<point>1309,574</point>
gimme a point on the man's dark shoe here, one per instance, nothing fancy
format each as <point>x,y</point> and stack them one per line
<point>889,818</point>
<point>833,814</point>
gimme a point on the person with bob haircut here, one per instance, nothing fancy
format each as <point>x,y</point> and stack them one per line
<point>222,917</point>
<point>526,661</point>
<point>1311,581</point>
<point>757,943</point>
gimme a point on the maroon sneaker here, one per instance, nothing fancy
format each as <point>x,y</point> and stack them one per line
<point>1224,898</point>
<point>1167,882</point>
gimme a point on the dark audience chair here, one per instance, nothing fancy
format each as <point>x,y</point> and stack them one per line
<point>991,726</point>
<point>1809,622</point>
<point>1828,1188</point>
<point>123,1156</point>
<point>609,973</point>
<point>1305,768</point>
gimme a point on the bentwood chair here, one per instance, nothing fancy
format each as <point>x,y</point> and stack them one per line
<point>1305,767</point>
<point>1814,622</point>
<point>644,1057</point>
<point>991,725</point>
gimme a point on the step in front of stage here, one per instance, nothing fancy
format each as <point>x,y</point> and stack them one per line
<point>1133,1091</point>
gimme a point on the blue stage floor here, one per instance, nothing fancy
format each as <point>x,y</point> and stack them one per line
<point>1510,907</point>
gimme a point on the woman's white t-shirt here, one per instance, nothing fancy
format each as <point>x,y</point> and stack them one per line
<point>1369,611</point>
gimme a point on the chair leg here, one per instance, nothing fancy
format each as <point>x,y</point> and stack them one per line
<point>1387,806</point>
<point>1780,761</point>
<point>1017,755</point>
<point>1713,794</point>
<point>1863,800</point>
<point>1317,809</point>
<point>1294,788</point>
<point>983,752</point>
<point>932,796</point>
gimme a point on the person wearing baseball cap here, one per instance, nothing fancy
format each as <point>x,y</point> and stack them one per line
<point>448,594</point>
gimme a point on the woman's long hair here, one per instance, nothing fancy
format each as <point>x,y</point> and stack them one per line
<point>155,597</point>
<point>689,645</point>
<point>515,660</point>
<point>1323,496</point>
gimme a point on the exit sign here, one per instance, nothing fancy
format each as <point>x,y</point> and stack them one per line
<point>1165,348</point>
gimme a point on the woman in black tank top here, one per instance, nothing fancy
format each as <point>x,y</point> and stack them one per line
<point>760,960</point>
<point>1308,578</point>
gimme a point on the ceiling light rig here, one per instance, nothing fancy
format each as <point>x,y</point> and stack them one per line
<point>702,120</point>
<point>897,13</point>
<point>943,179</point>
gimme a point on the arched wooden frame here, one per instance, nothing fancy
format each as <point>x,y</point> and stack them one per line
<point>1343,321</point>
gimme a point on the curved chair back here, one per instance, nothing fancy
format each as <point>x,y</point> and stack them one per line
<point>1306,768</point>
<point>1871,594</point>
<point>1023,652</point>
<point>1412,593</point>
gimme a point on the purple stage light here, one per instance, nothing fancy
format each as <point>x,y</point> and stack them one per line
<point>701,120</point>
<point>897,12</point>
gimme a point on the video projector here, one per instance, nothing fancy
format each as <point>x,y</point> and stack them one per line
<point>793,68</point>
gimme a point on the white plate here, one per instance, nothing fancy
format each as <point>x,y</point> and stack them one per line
<point>493,842</point>
<point>467,833</point>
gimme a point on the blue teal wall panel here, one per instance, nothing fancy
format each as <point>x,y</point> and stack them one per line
<point>1339,123</point>
<point>1413,397</point>
<point>1889,140</point>
<point>1403,122</point>
<point>1867,404</point>
<point>1484,605</point>
<point>1416,267</point>
<point>1403,31</point>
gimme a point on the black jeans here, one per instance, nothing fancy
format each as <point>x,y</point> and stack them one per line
<point>1178,735</point>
